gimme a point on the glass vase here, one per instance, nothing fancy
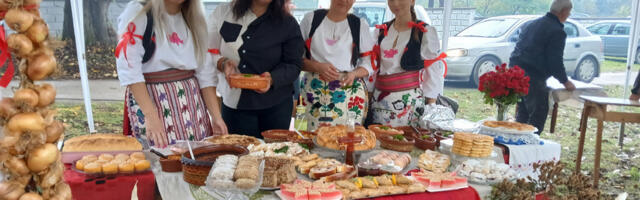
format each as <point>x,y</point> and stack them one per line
<point>502,110</point>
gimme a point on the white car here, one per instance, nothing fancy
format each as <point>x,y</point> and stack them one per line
<point>482,46</point>
<point>378,12</point>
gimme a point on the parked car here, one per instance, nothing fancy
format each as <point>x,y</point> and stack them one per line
<point>615,36</point>
<point>480,47</point>
<point>377,12</point>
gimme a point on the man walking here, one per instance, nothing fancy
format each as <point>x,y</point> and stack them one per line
<point>539,52</point>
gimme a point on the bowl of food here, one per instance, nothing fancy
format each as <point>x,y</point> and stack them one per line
<point>383,130</point>
<point>397,143</point>
<point>249,81</point>
<point>171,163</point>
<point>196,170</point>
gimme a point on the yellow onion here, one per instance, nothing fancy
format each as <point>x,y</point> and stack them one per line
<point>15,193</point>
<point>18,19</point>
<point>26,96</point>
<point>4,6</point>
<point>30,196</point>
<point>31,2</point>
<point>20,44</point>
<point>17,166</point>
<point>54,131</point>
<point>63,192</point>
<point>41,66</point>
<point>46,94</point>
<point>8,141</point>
<point>7,108</point>
<point>24,122</point>
<point>38,31</point>
<point>41,157</point>
<point>52,176</point>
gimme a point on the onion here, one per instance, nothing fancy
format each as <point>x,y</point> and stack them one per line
<point>26,96</point>
<point>63,192</point>
<point>46,94</point>
<point>20,44</point>
<point>26,122</point>
<point>52,176</point>
<point>14,194</point>
<point>8,141</point>
<point>38,31</point>
<point>41,157</point>
<point>41,66</point>
<point>30,196</point>
<point>17,166</point>
<point>7,108</point>
<point>54,131</point>
<point>18,19</point>
<point>5,187</point>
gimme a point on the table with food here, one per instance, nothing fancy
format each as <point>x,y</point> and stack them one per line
<point>390,163</point>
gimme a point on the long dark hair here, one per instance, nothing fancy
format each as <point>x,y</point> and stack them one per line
<point>277,8</point>
<point>414,18</point>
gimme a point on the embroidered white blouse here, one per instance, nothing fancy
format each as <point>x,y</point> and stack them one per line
<point>176,52</point>
<point>332,42</point>
<point>390,56</point>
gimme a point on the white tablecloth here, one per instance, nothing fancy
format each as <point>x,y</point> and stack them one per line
<point>522,157</point>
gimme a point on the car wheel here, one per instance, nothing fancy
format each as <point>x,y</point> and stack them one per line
<point>484,65</point>
<point>587,69</point>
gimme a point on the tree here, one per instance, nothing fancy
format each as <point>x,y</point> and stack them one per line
<point>97,27</point>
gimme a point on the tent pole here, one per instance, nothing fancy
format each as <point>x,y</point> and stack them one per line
<point>78,29</point>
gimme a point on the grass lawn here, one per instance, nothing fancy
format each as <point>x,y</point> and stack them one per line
<point>616,64</point>
<point>619,168</point>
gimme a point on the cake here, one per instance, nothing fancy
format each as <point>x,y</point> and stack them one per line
<point>101,142</point>
<point>472,145</point>
<point>327,136</point>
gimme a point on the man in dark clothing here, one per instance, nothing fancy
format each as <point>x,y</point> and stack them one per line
<point>635,91</point>
<point>539,52</point>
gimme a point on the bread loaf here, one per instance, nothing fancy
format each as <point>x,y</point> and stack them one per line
<point>101,142</point>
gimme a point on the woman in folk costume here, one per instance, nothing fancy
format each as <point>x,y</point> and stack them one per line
<point>256,37</point>
<point>161,59</point>
<point>338,53</point>
<point>409,74</point>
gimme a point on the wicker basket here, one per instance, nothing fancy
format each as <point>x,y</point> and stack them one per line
<point>196,171</point>
<point>248,81</point>
<point>377,129</point>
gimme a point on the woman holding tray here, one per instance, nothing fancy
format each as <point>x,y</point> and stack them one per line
<point>338,56</point>
<point>161,58</point>
<point>409,74</point>
<point>256,37</point>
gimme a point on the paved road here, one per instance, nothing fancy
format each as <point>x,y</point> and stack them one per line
<point>615,78</point>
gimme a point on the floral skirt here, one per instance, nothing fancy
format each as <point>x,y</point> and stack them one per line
<point>401,108</point>
<point>181,109</point>
<point>327,103</point>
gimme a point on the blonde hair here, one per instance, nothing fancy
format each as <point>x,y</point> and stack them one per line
<point>193,15</point>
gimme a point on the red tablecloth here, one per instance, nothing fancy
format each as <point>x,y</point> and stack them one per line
<point>466,194</point>
<point>108,188</point>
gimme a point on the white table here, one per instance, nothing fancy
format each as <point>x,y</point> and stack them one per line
<point>559,94</point>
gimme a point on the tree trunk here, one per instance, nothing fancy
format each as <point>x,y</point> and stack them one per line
<point>97,27</point>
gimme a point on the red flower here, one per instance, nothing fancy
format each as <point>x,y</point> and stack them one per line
<point>504,82</point>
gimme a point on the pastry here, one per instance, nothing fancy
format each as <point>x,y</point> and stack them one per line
<point>328,137</point>
<point>234,139</point>
<point>105,157</point>
<point>319,172</point>
<point>101,142</point>
<point>472,145</point>
<point>126,167</point>
<point>110,168</point>
<point>434,161</point>
<point>509,125</point>
<point>142,165</point>
<point>138,156</point>
<point>80,164</point>
<point>90,158</point>
<point>121,156</point>
<point>244,183</point>
<point>93,168</point>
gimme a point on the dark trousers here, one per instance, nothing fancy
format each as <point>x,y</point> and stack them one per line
<point>254,122</point>
<point>533,108</point>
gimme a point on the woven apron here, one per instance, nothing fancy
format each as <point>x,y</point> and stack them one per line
<point>327,103</point>
<point>176,95</point>
<point>397,99</point>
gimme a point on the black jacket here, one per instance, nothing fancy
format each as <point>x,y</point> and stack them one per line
<point>540,49</point>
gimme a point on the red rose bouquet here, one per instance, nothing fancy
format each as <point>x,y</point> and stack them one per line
<point>504,86</point>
